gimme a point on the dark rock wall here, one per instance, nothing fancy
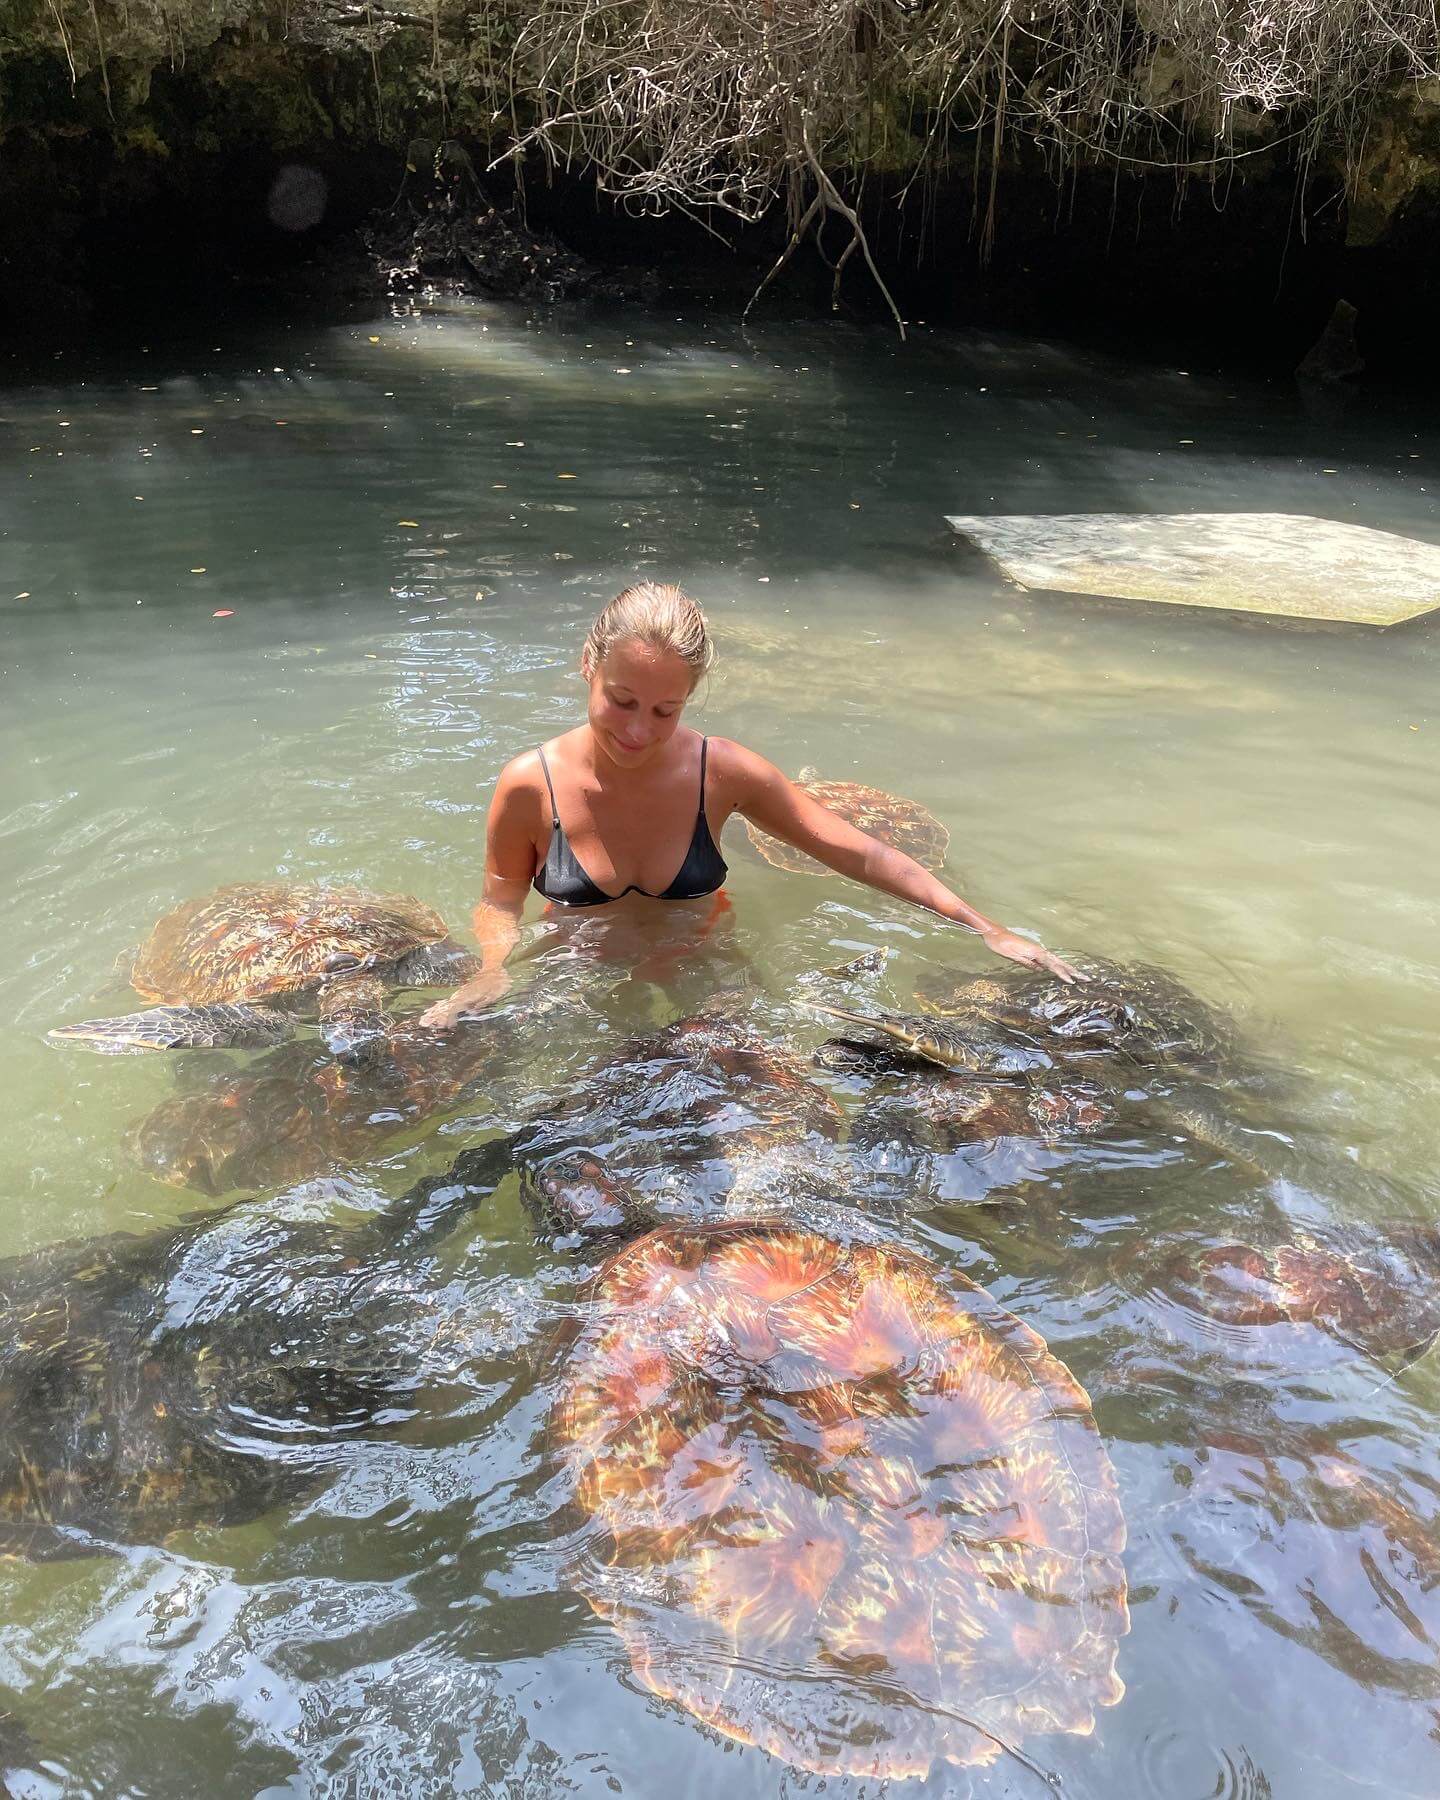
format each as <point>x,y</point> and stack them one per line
<point>246,166</point>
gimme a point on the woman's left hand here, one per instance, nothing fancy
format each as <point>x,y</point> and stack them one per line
<point>1024,950</point>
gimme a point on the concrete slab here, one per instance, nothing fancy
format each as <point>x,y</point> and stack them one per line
<point>1280,563</point>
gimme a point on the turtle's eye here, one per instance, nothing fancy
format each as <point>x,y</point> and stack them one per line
<point>341,963</point>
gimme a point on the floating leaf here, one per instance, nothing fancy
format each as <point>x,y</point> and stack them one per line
<point>566,478</point>
<point>225,612</point>
<point>410,524</point>
<point>199,571</point>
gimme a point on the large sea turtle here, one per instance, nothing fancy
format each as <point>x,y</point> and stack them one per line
<point>848,1508</point>
<point>902,824</point>
<point>1130,1035</point>
<point>200,1375</point>
<point>232,968</point>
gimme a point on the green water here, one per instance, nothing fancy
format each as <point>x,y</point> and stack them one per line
<point>409,523</point>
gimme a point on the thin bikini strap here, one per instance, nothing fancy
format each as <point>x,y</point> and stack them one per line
<point>704,746</point>
<point>554,809</point>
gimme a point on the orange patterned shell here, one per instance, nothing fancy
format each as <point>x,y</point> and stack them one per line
<point>855,1512</point>
<point>258,939</point>
<point>903,824</point>
<point>1375,1289</point>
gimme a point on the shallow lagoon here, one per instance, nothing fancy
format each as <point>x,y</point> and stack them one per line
<point>409,522</point>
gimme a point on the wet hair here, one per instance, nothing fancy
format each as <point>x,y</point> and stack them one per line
<point>656,613</point>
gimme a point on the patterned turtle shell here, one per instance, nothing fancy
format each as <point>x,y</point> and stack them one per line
<point>902,824</point>
<point>255,940</point>
<point>1376,1290</point>
<point>853,1511</point>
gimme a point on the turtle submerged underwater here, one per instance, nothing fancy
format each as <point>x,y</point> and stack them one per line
<point>687,1122</point>
<point>297,1111</point>
<point>231,969</point>
<point>850,1509</point>
<point>1376,1290</point>
<point>902,824</point>
<point>156,1382</point>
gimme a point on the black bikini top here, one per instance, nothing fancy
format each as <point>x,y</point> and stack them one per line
<point>566,883</point>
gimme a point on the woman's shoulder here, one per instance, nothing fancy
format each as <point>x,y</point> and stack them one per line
<point>731,761</point>
<point>522,779</point>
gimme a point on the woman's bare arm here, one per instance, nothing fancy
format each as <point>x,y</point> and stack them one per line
<point>775,804</point>
<point>510,861</point>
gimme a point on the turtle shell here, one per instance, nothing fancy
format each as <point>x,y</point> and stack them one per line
<point>852,1511</point>
<point>1379,1293</point>
<point>902,824</point>
<point>666,1124</point>
<point>254,940</point>
<point>1142,1011</point>
<point>295,1111</point>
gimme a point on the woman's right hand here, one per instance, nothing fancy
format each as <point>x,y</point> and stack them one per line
<point>481,991</point>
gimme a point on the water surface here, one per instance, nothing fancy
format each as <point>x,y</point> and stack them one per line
<point>407,524</point>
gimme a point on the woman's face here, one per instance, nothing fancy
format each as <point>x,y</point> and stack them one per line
<point>636,697</point>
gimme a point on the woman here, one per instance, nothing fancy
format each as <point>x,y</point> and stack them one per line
<point>625,811</point>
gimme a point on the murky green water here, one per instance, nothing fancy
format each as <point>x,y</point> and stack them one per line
<point>408,524</point>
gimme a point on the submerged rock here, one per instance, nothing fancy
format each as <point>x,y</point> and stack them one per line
<point>444,231</point>
<point>1335,355</point>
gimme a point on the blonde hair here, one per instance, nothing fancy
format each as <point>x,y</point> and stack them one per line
<point>657,613</point>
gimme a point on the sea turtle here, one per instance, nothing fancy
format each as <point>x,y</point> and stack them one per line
<point>230,969</point>
<point>1128,1035</point>
<point>848,1508</point>
<point>297,1111</point>
<point>902,824</point>
<point>203,1374</point>
<point>1331,1553</point>
<point>1376,1290</point>
<point>1142,1013</point>
<point>664,1127</point>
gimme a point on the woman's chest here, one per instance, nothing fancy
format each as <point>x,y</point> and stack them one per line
<point>641,838</point>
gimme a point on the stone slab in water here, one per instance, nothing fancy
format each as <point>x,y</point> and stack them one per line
<point>1281,563</point>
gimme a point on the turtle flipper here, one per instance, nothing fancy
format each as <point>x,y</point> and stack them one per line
<point>181,1028</point>
<point>438,1204</point>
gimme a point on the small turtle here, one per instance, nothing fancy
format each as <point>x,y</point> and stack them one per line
<point>204,1374</point>
<point>851,1510</point>
<point>229,970</point>
<point>902,824</point>
<point>1377,1291</point>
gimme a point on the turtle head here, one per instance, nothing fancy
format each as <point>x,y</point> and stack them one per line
<point>353,1020</point>
<point>576,1192</point>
